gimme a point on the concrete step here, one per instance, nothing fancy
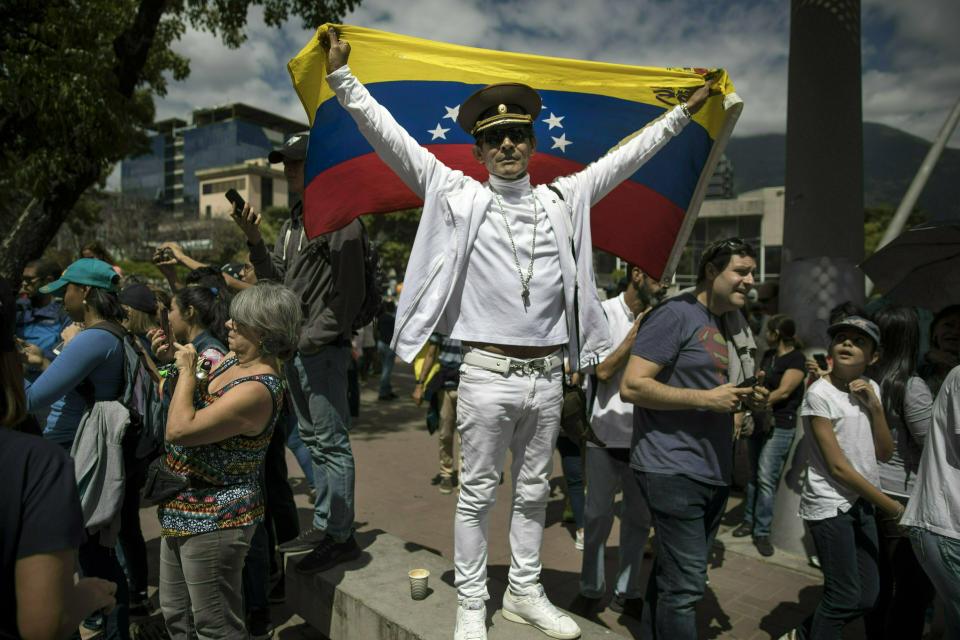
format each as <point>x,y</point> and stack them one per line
<point>369,599</point>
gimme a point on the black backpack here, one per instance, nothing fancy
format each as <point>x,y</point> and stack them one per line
<point>373,281</point>
<point>139,394</point>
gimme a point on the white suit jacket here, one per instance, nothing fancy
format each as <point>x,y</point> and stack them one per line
<point>455,205</point>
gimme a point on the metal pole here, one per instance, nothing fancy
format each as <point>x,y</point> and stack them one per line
<point>919,182</point>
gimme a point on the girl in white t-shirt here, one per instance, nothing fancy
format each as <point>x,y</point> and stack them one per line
<point>844,422</point>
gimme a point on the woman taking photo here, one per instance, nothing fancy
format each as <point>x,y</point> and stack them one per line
<point>87,371</point>
<point>784,370</point>
<point>905,590</point>
<point>197,317</point>
<point>217,436</point>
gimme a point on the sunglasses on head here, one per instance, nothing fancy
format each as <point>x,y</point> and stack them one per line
<point>494,137</point>
<point>733,245</point>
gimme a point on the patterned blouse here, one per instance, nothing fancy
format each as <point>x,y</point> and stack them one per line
<point>224,490</point>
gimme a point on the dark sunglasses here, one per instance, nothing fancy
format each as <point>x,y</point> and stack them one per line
<point>494,137</point>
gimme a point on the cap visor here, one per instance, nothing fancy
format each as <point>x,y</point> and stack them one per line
<point>54,287</point>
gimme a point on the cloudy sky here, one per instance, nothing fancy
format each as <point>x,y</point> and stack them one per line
<point>911,50</point>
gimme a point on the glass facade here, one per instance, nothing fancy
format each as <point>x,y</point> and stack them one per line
<point>143,176</point>
<point>218,145</point>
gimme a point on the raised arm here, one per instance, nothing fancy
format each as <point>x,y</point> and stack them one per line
<point>418,168</point>
<point>245,410</point>
<point>621,162</point>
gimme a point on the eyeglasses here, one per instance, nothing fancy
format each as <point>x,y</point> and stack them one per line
<point>494,137</point>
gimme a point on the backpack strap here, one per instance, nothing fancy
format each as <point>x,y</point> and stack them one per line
<point>85,388</point>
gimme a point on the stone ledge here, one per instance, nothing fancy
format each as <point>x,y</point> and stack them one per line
<point>369,599</point>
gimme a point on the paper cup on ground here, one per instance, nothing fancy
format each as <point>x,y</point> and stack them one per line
<point>418,583</point>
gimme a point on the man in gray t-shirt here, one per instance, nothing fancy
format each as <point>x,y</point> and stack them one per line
<point>682,453</point>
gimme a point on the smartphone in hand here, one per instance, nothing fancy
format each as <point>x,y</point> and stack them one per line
<point>165,326</point>
<point>821,361</point>
<point>236,200</point>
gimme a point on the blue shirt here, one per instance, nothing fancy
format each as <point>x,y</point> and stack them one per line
<point>685,338</point>
<point>41,326</point>
<point>93,354</point>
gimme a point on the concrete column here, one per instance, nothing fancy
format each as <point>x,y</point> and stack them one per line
<point>823,216</point>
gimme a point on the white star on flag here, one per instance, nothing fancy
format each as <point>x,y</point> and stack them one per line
<point>561,143</point>
<point>554,121</point>
<point>440,132</point>
<point>452,113</point>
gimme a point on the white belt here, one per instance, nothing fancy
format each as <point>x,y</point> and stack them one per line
<point>507,365</point>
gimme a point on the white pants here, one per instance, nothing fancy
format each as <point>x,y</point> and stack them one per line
<point>495,413</point>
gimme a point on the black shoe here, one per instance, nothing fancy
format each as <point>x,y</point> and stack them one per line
<point>584,607</point>
<point>308,539</point>
<point>328,554</point>
<point>762,543</point>
<point>278,595</point>
<point>743,530</point>
<point>632,607</point>
<point>259,624</point>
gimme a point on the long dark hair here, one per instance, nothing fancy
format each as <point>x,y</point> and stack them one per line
<point>212,305</point>
<point>900,337</point>
<point>106,304</point>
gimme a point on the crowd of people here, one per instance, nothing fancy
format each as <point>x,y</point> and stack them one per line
<point>118,393</point>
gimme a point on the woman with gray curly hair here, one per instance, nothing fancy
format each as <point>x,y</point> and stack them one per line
<point>217,436</point>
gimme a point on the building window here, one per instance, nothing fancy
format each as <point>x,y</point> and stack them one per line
<point>224,185</point>
<point>209,212</point>
<point>266,192</point>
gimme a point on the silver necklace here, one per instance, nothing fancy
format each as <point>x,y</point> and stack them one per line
<point>524,280</point>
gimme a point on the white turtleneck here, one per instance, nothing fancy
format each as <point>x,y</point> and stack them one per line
<point>492,309</point>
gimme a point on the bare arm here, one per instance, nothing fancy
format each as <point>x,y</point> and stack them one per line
<point>863,392</point>
<point>840,469</point>
<point>49,604</point>
<point>640,387</point>
<point>788,383</point>
<point>245,410</point>
<point>617,359</point>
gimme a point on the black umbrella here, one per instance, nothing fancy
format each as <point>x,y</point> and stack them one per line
<point>921,267</point>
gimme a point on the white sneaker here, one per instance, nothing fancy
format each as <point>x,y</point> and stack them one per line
<point>471,620</point>
<point>535,609</point>
<point>578,542</point>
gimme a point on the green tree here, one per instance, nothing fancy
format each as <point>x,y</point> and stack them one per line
<point>77,84</point>
<point>393,233</point>
<point>876,221</point>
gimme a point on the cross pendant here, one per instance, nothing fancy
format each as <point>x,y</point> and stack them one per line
<point>525,294</point>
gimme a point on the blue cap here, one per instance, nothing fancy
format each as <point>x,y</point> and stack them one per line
<point>858,324</point>
<point>85,271</point>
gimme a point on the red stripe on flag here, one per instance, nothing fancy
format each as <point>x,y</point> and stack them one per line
<point>632,222</point>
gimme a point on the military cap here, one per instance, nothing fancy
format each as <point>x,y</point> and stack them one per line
<point>502,104</point>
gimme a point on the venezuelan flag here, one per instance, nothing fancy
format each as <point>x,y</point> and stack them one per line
<point>589,107</point>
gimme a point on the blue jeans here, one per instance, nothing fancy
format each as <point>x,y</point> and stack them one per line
<point>848,549</point>
<point>940,558</point>
<point>767,457</point>
<point>686,514</point>
<point>387,358</point>
<point>572,463</point>
<point>608,471</point>
<point>318,387</point>
<point>295,444</point>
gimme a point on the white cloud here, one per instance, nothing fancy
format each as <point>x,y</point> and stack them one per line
<point>912,89</point>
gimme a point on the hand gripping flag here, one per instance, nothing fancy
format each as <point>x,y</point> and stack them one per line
<point>588,108</point>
